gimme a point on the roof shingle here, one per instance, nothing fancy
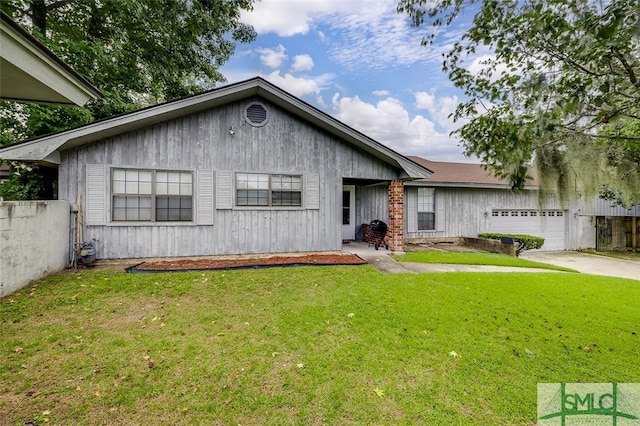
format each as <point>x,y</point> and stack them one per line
<point>465,174</point>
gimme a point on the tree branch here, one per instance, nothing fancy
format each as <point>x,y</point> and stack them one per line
<point>58,4</point>
<point>632,75</point>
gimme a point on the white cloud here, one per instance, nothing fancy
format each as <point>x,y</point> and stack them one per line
<point>486,61</point>
<point>389,122</point>
<point>381,92</point>
<point>300,86</point>
<point>380,38</point>
<point>284,17</point>
<point>302,63</point>
<point>425,100</point>
<point>272,57</point>
<point>439,108</point>
<point>365,33</point>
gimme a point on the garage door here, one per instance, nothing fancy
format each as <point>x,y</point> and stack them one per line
<point>548,224</point>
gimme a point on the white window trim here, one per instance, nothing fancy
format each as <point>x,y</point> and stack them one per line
<point>418,211</point>
<point>153,222</point>
<point>269,207</point>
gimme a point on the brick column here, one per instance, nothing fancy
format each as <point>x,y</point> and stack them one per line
<point>395,233</point>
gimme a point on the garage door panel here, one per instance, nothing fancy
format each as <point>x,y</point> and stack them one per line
<point>548,224</point>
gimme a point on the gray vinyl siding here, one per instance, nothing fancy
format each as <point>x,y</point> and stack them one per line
<point>201,143</point>
<point>371,203</point>
<point>466,212</point>
<point>604,208</point>
<point>460,212</point>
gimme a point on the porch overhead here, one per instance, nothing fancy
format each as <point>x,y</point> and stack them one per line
<point>29,72</point>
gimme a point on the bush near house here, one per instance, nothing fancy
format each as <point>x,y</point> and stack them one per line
<point>525,242</point>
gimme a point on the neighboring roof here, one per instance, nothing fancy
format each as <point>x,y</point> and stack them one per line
<point>465,175</point>
<point>47,149</point>
<point>29,72</point>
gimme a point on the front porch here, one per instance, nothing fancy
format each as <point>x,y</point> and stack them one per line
<point>365,201</point>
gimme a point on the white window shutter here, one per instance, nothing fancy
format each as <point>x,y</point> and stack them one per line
<point>224,190</point>
<point>313,191</point>
<point>96,188</point>
<point>204,191</point>
<point>411,211</point>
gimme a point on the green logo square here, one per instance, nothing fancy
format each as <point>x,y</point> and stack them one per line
<point>569,404</point>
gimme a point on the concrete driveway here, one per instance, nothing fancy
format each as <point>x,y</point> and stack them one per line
<point>587,263</point>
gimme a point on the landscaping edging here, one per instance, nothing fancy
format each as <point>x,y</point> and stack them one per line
<point>194,265</point>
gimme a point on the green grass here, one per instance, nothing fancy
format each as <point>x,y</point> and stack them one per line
<point>315,345</point>
<point>473,258</point>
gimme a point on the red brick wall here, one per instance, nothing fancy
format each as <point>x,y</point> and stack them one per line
<point>366,233</point>
<point>395,233</point>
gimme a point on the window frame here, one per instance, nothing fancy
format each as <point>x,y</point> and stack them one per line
<point>271,180</point>
<point>154,195</point>
<point>430,223</point>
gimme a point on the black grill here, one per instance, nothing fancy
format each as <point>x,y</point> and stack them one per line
<point>378,231</point>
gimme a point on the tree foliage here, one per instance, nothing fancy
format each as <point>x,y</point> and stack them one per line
<point>136,52</point>
<point>29,182</point>
<point>559,85</point>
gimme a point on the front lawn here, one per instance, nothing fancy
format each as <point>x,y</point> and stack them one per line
<point>473,258</point>
<point>314,345</point>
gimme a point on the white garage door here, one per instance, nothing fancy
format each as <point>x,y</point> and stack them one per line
<point>548,224</point>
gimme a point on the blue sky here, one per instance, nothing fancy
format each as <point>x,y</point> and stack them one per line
<point>361,62</point>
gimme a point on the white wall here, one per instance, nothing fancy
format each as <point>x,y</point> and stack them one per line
<point>34,241</point>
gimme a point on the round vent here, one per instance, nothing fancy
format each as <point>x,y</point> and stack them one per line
<point>256,114</point>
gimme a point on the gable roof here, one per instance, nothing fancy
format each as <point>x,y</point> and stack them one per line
<point>30,72</point>
<point>465,175</point>
<point>46,149</point>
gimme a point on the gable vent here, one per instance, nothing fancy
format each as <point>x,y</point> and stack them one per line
<point>256,114</point>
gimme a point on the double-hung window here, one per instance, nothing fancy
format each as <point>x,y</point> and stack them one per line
<point>151,195</point>
<point>265,190</point>
<point>426,209</point>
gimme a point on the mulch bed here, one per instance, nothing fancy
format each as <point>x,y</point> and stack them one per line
<point>245,263</point>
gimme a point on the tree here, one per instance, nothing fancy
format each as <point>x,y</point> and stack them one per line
<point>137,52</point>
<point>559,85</point>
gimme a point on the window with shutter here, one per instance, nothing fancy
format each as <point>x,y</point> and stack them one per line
<point>96,194</point>
<point>140,195</point>
<point>265,190</point>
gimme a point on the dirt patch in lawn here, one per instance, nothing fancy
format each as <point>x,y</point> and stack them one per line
<point>250,262</point>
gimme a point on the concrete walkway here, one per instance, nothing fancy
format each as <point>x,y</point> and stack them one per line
<point>381,260</point>
<point>582,262</point>
<point>587,263</point>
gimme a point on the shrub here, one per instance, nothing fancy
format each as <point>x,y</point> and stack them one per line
<point>525,242</point>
